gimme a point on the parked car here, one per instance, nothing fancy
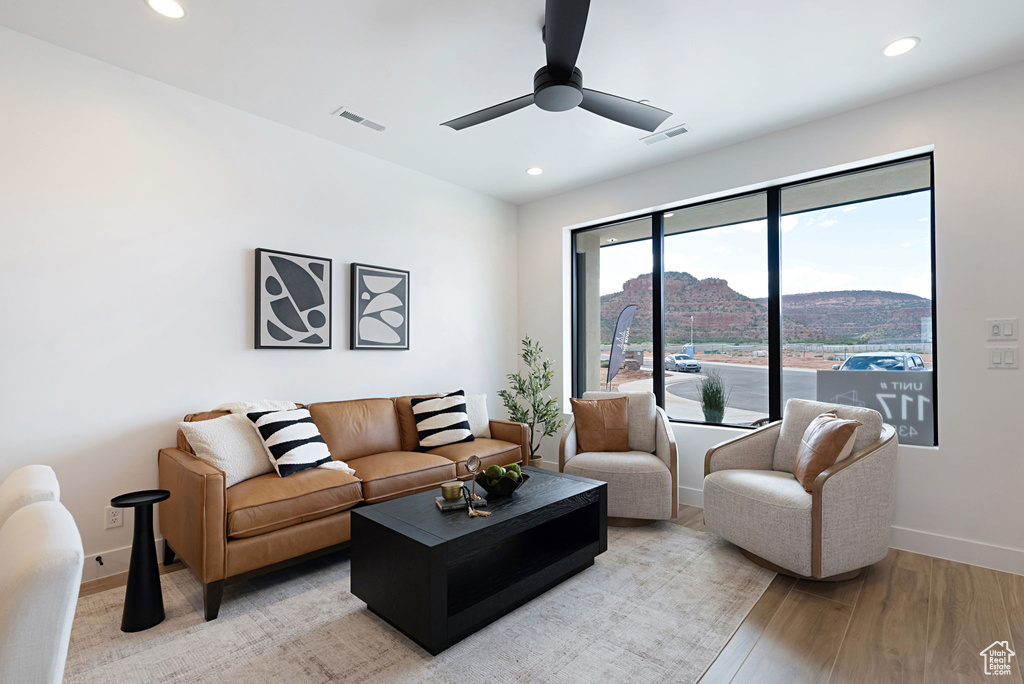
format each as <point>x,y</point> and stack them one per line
<point>683,363</point>
<point>883,361</point>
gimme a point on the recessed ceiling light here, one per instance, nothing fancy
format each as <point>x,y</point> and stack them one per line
<point>534,170</point>
<point>168,8</point>
<point>612,240</point>
<point>669,214</point>
<point>901,46</point>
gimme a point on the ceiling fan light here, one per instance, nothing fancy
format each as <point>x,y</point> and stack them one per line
<point>534,170</point>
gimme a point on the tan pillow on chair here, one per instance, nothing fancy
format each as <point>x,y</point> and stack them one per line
<point>601,424</point>
<point>826,441</point>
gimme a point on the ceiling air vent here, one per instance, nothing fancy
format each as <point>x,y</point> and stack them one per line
<point>665,135</point>
<point>348,114</point>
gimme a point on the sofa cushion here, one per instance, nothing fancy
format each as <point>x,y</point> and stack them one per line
<point>490,451</point>
<point>269,502</point>
<point>407,421</point>
<point>395,473</point>
<point>443,420</point>
<point>357,428</point>
<point>799,414</point>
<point>766,512</point>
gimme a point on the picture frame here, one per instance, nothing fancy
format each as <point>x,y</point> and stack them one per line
<point>294,302</point>
<point>379,308</point>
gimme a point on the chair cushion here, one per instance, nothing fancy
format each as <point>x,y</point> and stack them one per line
<point>601,425</point>
<point>490,451</point>
<point>643,415</point>
<point>799,414</point>
<point>357,428</point>
<point>268,502</point>
<point>394,473</point>
<point>639,483</point>
<point>766,512</point>
<point>826,441</point>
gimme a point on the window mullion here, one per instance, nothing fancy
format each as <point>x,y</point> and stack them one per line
<point>774,304</point>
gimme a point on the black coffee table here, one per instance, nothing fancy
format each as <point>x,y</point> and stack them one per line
<point>438,577</point>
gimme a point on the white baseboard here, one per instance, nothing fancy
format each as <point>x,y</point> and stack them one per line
<point>115,561</point>
<point>962,550</point>
<point>691,496</point>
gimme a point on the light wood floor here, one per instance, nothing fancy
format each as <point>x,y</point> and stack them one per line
<point>909,619</point>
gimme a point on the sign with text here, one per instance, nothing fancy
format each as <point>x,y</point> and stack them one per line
<point>904,398</point>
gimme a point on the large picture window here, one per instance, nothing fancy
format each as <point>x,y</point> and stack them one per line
<point>820,290</point>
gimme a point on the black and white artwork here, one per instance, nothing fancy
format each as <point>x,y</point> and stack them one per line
<point>293,301</point>
<point>380,308</point>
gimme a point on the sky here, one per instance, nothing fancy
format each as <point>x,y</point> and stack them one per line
<point>877,245</point>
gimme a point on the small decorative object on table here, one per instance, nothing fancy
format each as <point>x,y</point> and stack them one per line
<point>143,599</point>
<point>455,497</point>
<point>501,482</point>
<point>473,465</point>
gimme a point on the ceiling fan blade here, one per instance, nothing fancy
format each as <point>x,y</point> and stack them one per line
<point>564,24</point>
<point>490,113</point>
<point>629,112</point>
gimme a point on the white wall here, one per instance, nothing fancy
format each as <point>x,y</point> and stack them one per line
<point>965,499</point>
<point>129,211</point>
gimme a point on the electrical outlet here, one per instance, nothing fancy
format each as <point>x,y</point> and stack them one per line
<point>112,518</point>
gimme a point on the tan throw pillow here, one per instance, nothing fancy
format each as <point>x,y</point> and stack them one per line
<point>826,441</point>
<point>601,424</point>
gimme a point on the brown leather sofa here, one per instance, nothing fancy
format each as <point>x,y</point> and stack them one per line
<point>224,534</point>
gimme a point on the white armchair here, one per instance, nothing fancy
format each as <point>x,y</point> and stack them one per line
<point>27,485</point>
<point>40,571</point>
<point>752,499</point>
<point>642,482</point>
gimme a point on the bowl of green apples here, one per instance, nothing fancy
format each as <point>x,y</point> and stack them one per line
<point>499,482</point>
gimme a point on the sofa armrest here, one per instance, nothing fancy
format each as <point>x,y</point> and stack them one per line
<point>194,519</point>
<point>852,508</point>
<point>517,433</point>
<point>567,446</point>
<point>752,451</point>
<point>665,449</point>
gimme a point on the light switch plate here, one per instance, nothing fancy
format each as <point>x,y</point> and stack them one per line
<point>1005,358</point>
<point>999,329</point>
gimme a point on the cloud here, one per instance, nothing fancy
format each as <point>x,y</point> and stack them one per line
<point>753,284</point>
<point>829,222</point>
<point>849,207</point>
<point>906,244</point>
<point>923,218</point>
<point>920,285</point>
<point>788,223</point>
<point>809,279</point>
<point>722,250</point>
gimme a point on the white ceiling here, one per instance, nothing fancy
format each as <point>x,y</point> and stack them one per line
<point>731,70</point>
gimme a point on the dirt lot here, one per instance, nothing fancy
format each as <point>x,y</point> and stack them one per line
<point>788,360</point>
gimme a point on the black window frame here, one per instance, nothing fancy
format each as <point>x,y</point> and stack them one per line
<point>774,218</point>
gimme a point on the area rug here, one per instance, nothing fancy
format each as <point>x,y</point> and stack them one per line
<point>658,606</point>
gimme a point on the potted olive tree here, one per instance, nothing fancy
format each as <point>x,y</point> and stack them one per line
<point>526,401</point>
<point>713,396</point>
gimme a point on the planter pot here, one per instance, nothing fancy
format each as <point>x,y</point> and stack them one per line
<point>537,461</point>
<point>713,416</point>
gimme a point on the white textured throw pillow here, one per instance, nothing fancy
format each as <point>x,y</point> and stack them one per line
<point>476,409</point>
<point>229,444</point>
<point>246,407</point>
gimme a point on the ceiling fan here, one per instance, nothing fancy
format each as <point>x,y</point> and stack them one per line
<point>558,86</point>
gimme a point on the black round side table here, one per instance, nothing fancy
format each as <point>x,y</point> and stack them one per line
<point>143,600</point>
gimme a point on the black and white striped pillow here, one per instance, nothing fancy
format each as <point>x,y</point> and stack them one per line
<point>291,439</point>
<point>442,420</point>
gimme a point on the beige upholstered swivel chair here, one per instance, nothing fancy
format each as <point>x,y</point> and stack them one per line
<point>642,482</point>
<point>753,500</point>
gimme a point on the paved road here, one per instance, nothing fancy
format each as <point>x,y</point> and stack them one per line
<point>749,385</point>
